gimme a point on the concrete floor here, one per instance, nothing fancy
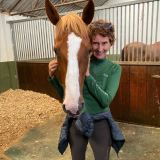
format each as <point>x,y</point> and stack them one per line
<point>40,143</point>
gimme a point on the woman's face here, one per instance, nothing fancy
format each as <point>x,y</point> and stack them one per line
<point>100,45</point>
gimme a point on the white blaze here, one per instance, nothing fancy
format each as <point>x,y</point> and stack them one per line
<point>72,91</point>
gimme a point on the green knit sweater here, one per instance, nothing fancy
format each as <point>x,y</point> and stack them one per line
<point>100,86</point>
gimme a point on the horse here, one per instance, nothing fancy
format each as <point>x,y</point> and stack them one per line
<point>138,51</point>
<point>153,52</point>
<point>134,51</point>
<point>72,48</point>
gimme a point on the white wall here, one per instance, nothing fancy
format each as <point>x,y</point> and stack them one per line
<point>6,48</point>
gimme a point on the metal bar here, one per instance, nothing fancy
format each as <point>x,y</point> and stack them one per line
<point>25,38</point>
<point>142,22</point>
<point>137,33</point>
<point>157,20</point>
<point>120,26</point>
<point>34,34</point>
<point>38,39</point>
<point>113,24</point>
<point>152,23</point>
<point>52,54</point>
<point>129,33</point>
<point>31,37</point>
<point>35,4</point>
<point>41,46</point>
<point>29,40</point>
<point>138,23</point>
<point>47,38</point>
<point>24,29</point>
<point>16,43</point>
<point>147,29</point>
<point>44,39</point>
<point>109,14</point>
<point>34,51</point>
<point>43,8</point>
<point>142,30</point>
<point>13,41</point>
<point>129,23</point>
<point>105,14</point>
<point>36,42</point>
<point>132,49</point>
<point>125,24</point>
<point>133,22</point>
<point>117,31</point>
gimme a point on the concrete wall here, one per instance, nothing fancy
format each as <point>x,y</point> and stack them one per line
<point>6,47</point>
<point>8,70</point>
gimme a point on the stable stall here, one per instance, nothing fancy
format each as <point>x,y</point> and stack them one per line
<point>137,100</point>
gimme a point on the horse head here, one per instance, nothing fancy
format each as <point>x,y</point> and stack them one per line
<point>72,46</point>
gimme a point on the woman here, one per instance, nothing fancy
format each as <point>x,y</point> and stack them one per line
<point>95,124</point>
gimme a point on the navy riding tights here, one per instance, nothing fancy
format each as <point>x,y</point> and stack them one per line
<point>100,141</point>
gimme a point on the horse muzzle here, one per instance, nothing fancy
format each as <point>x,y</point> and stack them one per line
<point>69,112</point>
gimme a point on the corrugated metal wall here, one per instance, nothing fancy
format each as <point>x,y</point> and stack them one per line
<point>134,22</point>
<point>33,39</point>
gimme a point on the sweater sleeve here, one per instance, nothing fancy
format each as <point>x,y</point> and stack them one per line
<point>55,83</point>
<point>105,96</point>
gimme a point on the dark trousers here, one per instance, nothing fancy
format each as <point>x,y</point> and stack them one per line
<point>100,141</point>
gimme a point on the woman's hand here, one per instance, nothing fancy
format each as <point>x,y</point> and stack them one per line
<point>52,67</point>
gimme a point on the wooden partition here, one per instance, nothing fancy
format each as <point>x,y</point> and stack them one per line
<point>137,100</point>
<point>34,76</point>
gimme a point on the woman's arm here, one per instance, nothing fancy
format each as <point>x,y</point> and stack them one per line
<point>105,96</point>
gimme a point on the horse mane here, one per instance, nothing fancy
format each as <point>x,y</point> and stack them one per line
<point>71,23</point>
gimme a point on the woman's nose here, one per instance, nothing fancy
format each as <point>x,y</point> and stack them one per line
<point>100,47</point>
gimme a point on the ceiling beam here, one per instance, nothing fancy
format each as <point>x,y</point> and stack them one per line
<point>35,4</point>
<point>1,1</point>
<point>56,5</point>
<point>16,3</point>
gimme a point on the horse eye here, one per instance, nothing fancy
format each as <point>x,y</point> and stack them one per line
<point>56,50</point>
<point>89,50</point>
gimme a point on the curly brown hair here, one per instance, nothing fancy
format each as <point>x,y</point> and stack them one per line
<point>103,28</point>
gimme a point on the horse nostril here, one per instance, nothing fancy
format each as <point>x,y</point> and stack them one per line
<point>80,106</point>
<point>64,109</point>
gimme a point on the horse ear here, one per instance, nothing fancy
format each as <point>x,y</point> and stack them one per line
<point>88,12</point>
<point>51,12</point>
